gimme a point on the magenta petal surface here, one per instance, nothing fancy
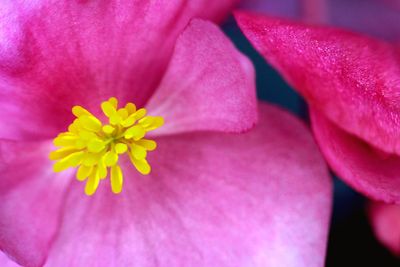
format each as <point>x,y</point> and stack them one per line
<point>30,199</point>
<point>353,80</point>
<point>368,170</point>
<point>209,84</point>
<point>56,54</point>
<point>6,261</point>
<point>385,220</point>
<point>212,199</point>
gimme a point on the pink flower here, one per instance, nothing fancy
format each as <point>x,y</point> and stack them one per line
<point>213,198</point>
<point>375,17</point>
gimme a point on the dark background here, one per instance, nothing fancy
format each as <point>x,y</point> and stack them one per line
<point>351,241</point>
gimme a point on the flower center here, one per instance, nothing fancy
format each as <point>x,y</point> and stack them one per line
<point>96,148</point>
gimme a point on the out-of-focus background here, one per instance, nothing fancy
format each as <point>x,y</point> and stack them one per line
<point>351,241</point>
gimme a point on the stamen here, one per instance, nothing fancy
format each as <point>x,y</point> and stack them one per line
<point>95,149</point>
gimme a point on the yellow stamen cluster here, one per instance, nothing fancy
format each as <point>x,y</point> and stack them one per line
<point>96,148</point>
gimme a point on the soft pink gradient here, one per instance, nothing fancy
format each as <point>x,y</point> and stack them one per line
<point>5,261</point>
<point>379,18</point>
<point>212,199</point>
<point>82,52</point>
<point>385,220</point>
<point>285,8</point>
<point>350,79</point>
<point>31,196</point>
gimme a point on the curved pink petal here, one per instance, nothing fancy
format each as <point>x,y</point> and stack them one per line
<point>56,54</point>
<point>209,84</point>
<point>31,196</point>
<point>6,261</point>
<point>385,220</point>
<point>352,79</point>
<point>368,170</point>
<point>262,198</point>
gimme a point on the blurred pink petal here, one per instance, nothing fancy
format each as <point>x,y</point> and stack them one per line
<point>352,79</point>
<point>375,17</point>
<point>212,200</point>
<point>209,84</point>
<point>385,220</point>
<point>82,53</point>
<point>31,196</point>
<point>393,3</point>
<point>284,8</point>
<point>368,170</point>
<point>6,261</point>
<point>379,18</point>
<point>309,10</point>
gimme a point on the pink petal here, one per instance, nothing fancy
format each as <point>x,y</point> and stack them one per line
<point>209,84</point>
<point>258,199</point>
<point>385,220</point>
<point>31,195</point>
<point>353,80</point>
<point>62,53</point>
<point>6,261</point>
<point>368,170</point>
